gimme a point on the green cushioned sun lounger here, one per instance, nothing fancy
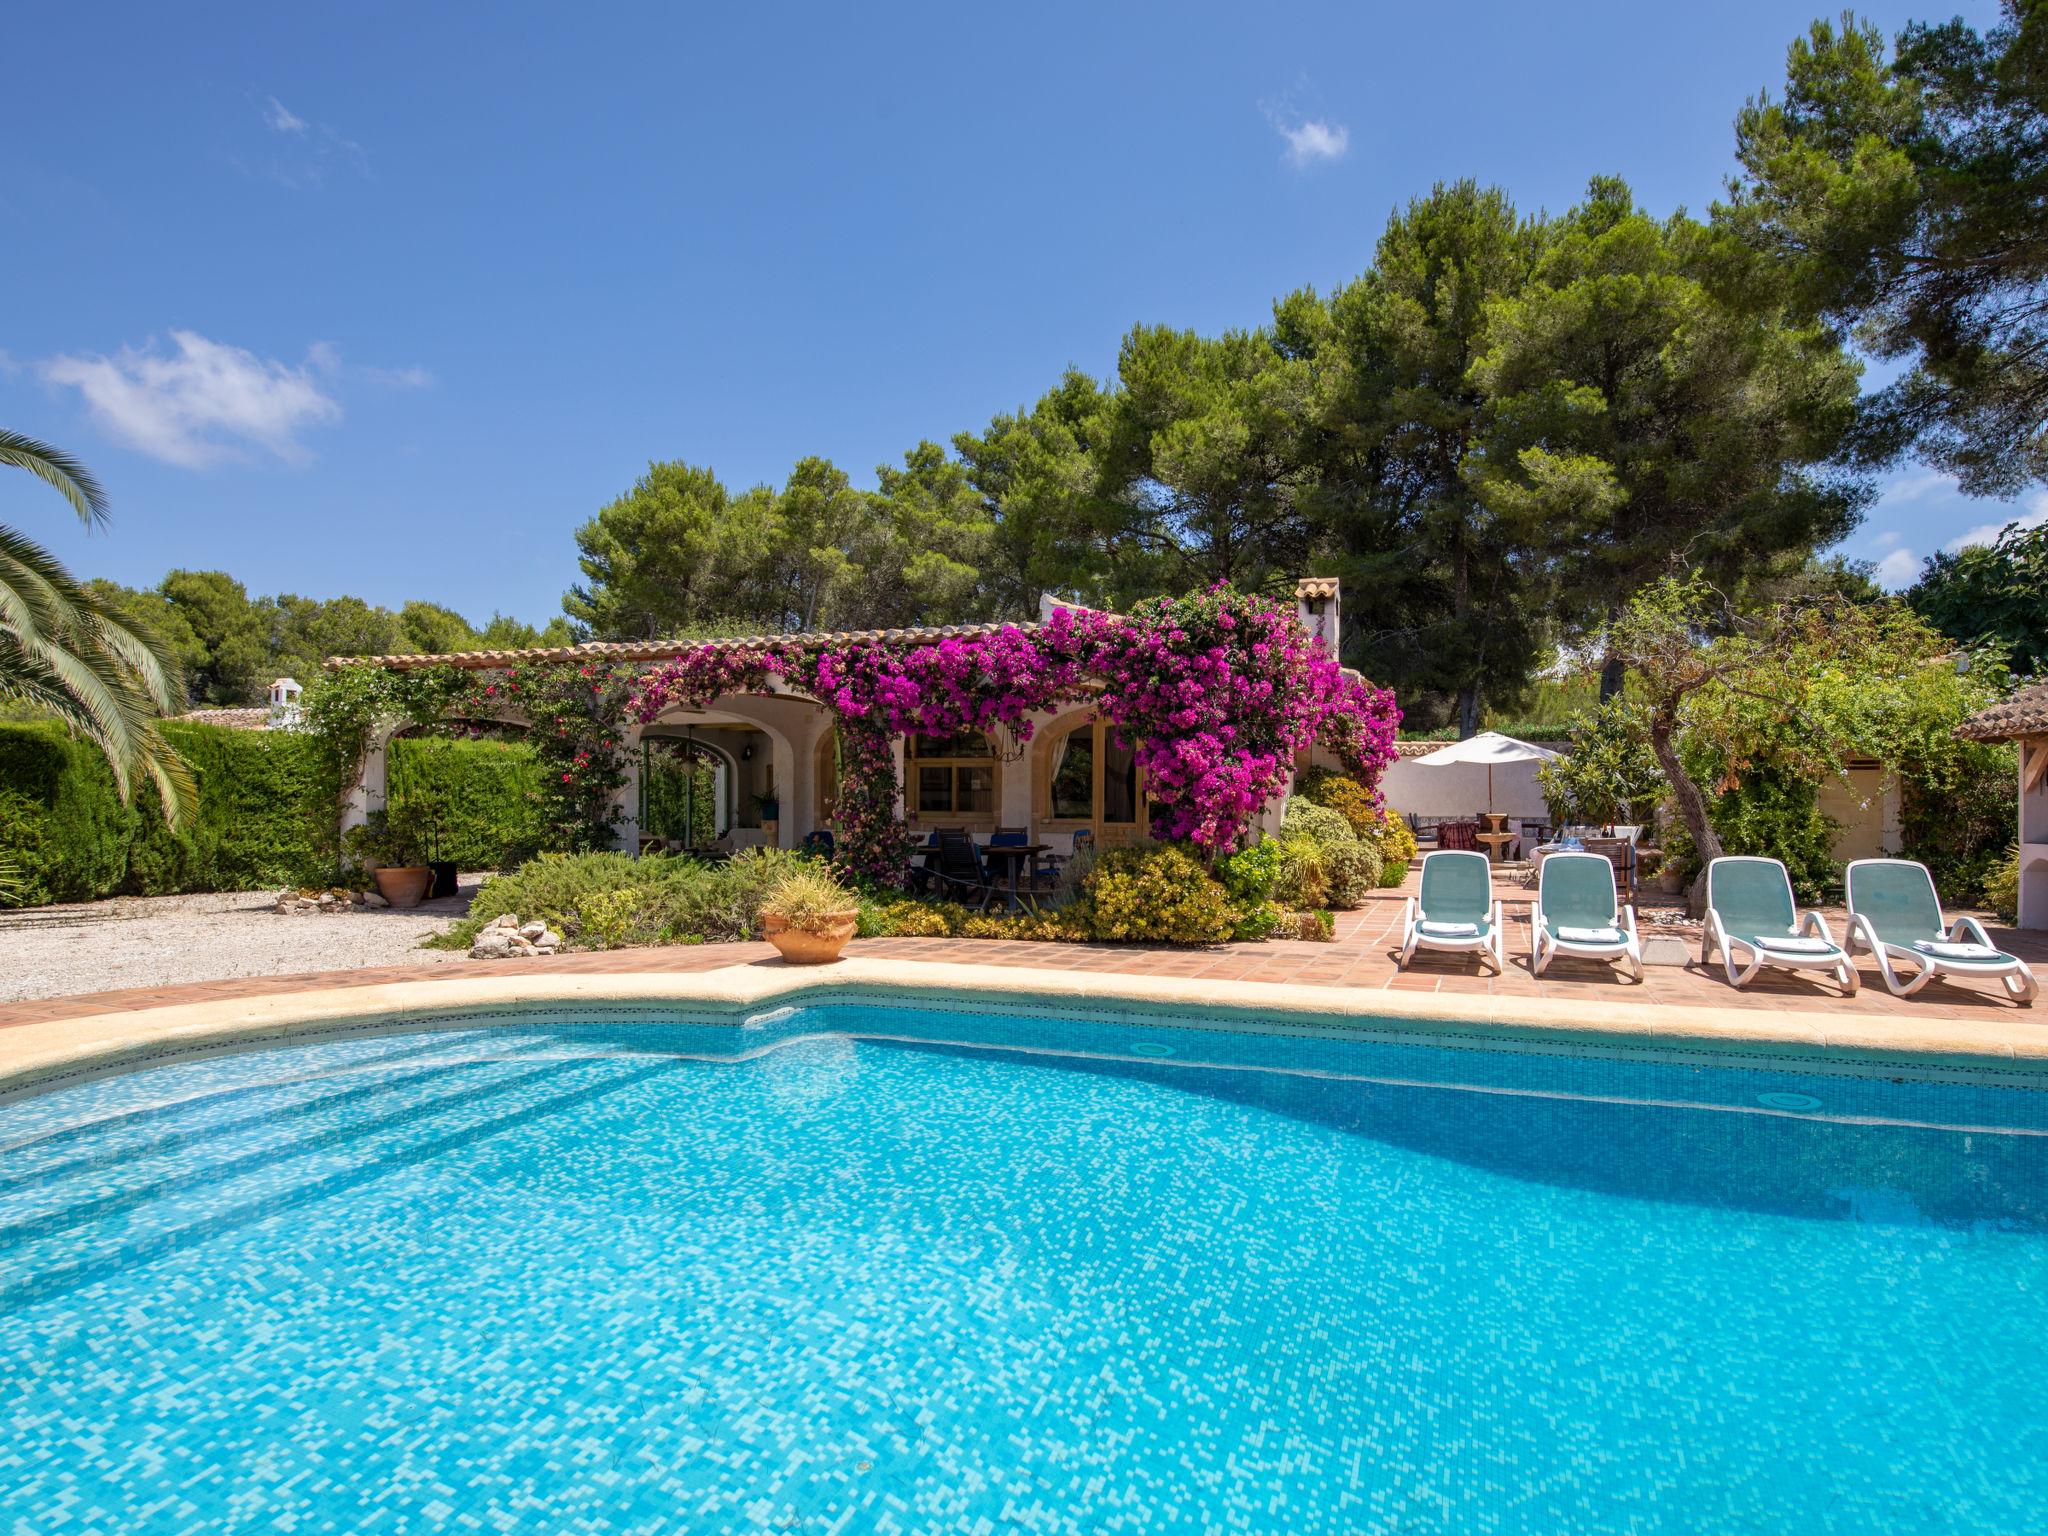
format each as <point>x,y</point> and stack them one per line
<point>1894,911</point>
<point>1455,910</point>
<point>1750,908</point>
<point>1578,913</point>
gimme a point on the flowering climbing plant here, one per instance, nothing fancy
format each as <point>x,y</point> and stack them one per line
<point>1216,694</point>
<point>575,714</point>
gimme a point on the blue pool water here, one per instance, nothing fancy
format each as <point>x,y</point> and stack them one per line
<point>866,1269</point>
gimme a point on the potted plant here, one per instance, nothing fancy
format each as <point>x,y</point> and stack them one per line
<point>769,806</point>
<point>428,811</point>
<point>809,916</point>
<point>391,851</point>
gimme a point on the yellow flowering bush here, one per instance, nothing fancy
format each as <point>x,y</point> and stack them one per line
<point>1157,894</point>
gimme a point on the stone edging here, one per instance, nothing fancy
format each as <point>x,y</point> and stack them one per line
<point>36,1057</point>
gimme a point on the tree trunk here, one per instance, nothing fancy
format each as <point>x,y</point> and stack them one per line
<point>1692,805</point>
<point>1468,710</point>
<point>1612,671</point>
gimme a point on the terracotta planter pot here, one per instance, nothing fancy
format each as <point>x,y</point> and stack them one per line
<point>403,887</point>
<point>800,947</point>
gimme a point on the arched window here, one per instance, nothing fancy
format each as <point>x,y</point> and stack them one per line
<point>950,779</point>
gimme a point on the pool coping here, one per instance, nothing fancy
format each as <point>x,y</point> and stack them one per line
<point>39,1056</point>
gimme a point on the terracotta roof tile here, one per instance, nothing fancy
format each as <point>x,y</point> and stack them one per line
<point>2024,714</point>
<point>664,650</point>
<point>256,718</point>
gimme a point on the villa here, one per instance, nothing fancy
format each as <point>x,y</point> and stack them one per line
<point>771,755</point>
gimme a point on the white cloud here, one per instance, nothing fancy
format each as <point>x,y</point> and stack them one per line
<point>204,402</point>
<point>282,119</point>
<point>1900,568</point>
<point>305,155</point>
<point>1887,539</point>
<point>1987,533</point>
<point>1313,139</point>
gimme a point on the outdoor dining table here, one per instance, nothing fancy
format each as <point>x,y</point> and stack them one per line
<point>1016,855</point>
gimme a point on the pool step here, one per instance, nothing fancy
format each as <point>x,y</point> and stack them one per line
<point>66,1248</point>
<point>135,1149</point>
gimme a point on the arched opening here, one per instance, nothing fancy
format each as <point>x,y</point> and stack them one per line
<point>1085,781</point>
<point>712,781</point>
<point>464,788</point>
<point>685,792</point>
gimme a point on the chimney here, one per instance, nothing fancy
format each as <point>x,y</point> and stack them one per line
<point>284,703</point>
<point>1320,609</point>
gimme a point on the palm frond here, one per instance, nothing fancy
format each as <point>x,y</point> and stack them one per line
<point>74,482</point>
<point>108,681</point>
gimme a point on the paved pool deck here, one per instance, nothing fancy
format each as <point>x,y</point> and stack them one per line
<point>1351,982</point>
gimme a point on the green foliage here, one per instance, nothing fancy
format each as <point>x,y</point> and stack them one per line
<point>1902,196</point>
<point>1440,603</point>
<point>1346,796</point>
<point>1380,830</point>
<point>808,898</point>
<point>1777,815</point>
<point>1992,594</point>
<point>909,917</point>
<point>679,799</point>
<point>259,821</point>
<point>230,645</point>
<point>61,823</point>
<point>676,552</point>
<point>1609,775</point>
<point>612,900</point>
<point>256,820</point>
<point>1958,813</point>
<point>1156,893</point>
<point>480,799</point>
<point>388,840</point>
<point>1322,861</point>
<point>1653,398</point>
<point>2002,885</point>
<point>1249,877</point>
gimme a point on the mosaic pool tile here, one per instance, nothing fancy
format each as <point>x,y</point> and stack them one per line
<point>867,1268</point>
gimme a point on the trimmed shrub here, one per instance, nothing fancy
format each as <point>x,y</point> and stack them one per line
<point>1346,796</point>
<point>1304,818</point>
<point>263,818</point>
<point>62,826</point>
<point>1323,862</point>
<point>1156,894</point>
<point>481,797</point>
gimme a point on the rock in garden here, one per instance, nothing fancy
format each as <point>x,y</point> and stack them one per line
<point>533,932</point>
<point>374,899</point>
<point>494,943</point>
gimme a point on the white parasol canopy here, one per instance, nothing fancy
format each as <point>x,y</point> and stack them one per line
<point>1488,747</point>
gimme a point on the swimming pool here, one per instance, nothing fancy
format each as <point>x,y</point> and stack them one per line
<point>857,1266</point>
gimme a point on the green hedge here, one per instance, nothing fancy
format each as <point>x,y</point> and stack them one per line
<point>262,820</point>
<point>488,791</point>
<point>62,827</point>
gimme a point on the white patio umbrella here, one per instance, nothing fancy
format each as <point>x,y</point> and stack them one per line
<point>1488,747</point>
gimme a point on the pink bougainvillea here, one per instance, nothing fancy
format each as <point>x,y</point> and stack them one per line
<point>1217,694</point>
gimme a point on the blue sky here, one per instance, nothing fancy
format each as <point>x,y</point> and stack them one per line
<point>385,300</point>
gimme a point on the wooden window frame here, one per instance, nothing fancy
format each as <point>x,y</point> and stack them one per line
<point>914,763</point>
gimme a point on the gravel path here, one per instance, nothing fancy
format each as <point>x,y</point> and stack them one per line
<point>149,941</point>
